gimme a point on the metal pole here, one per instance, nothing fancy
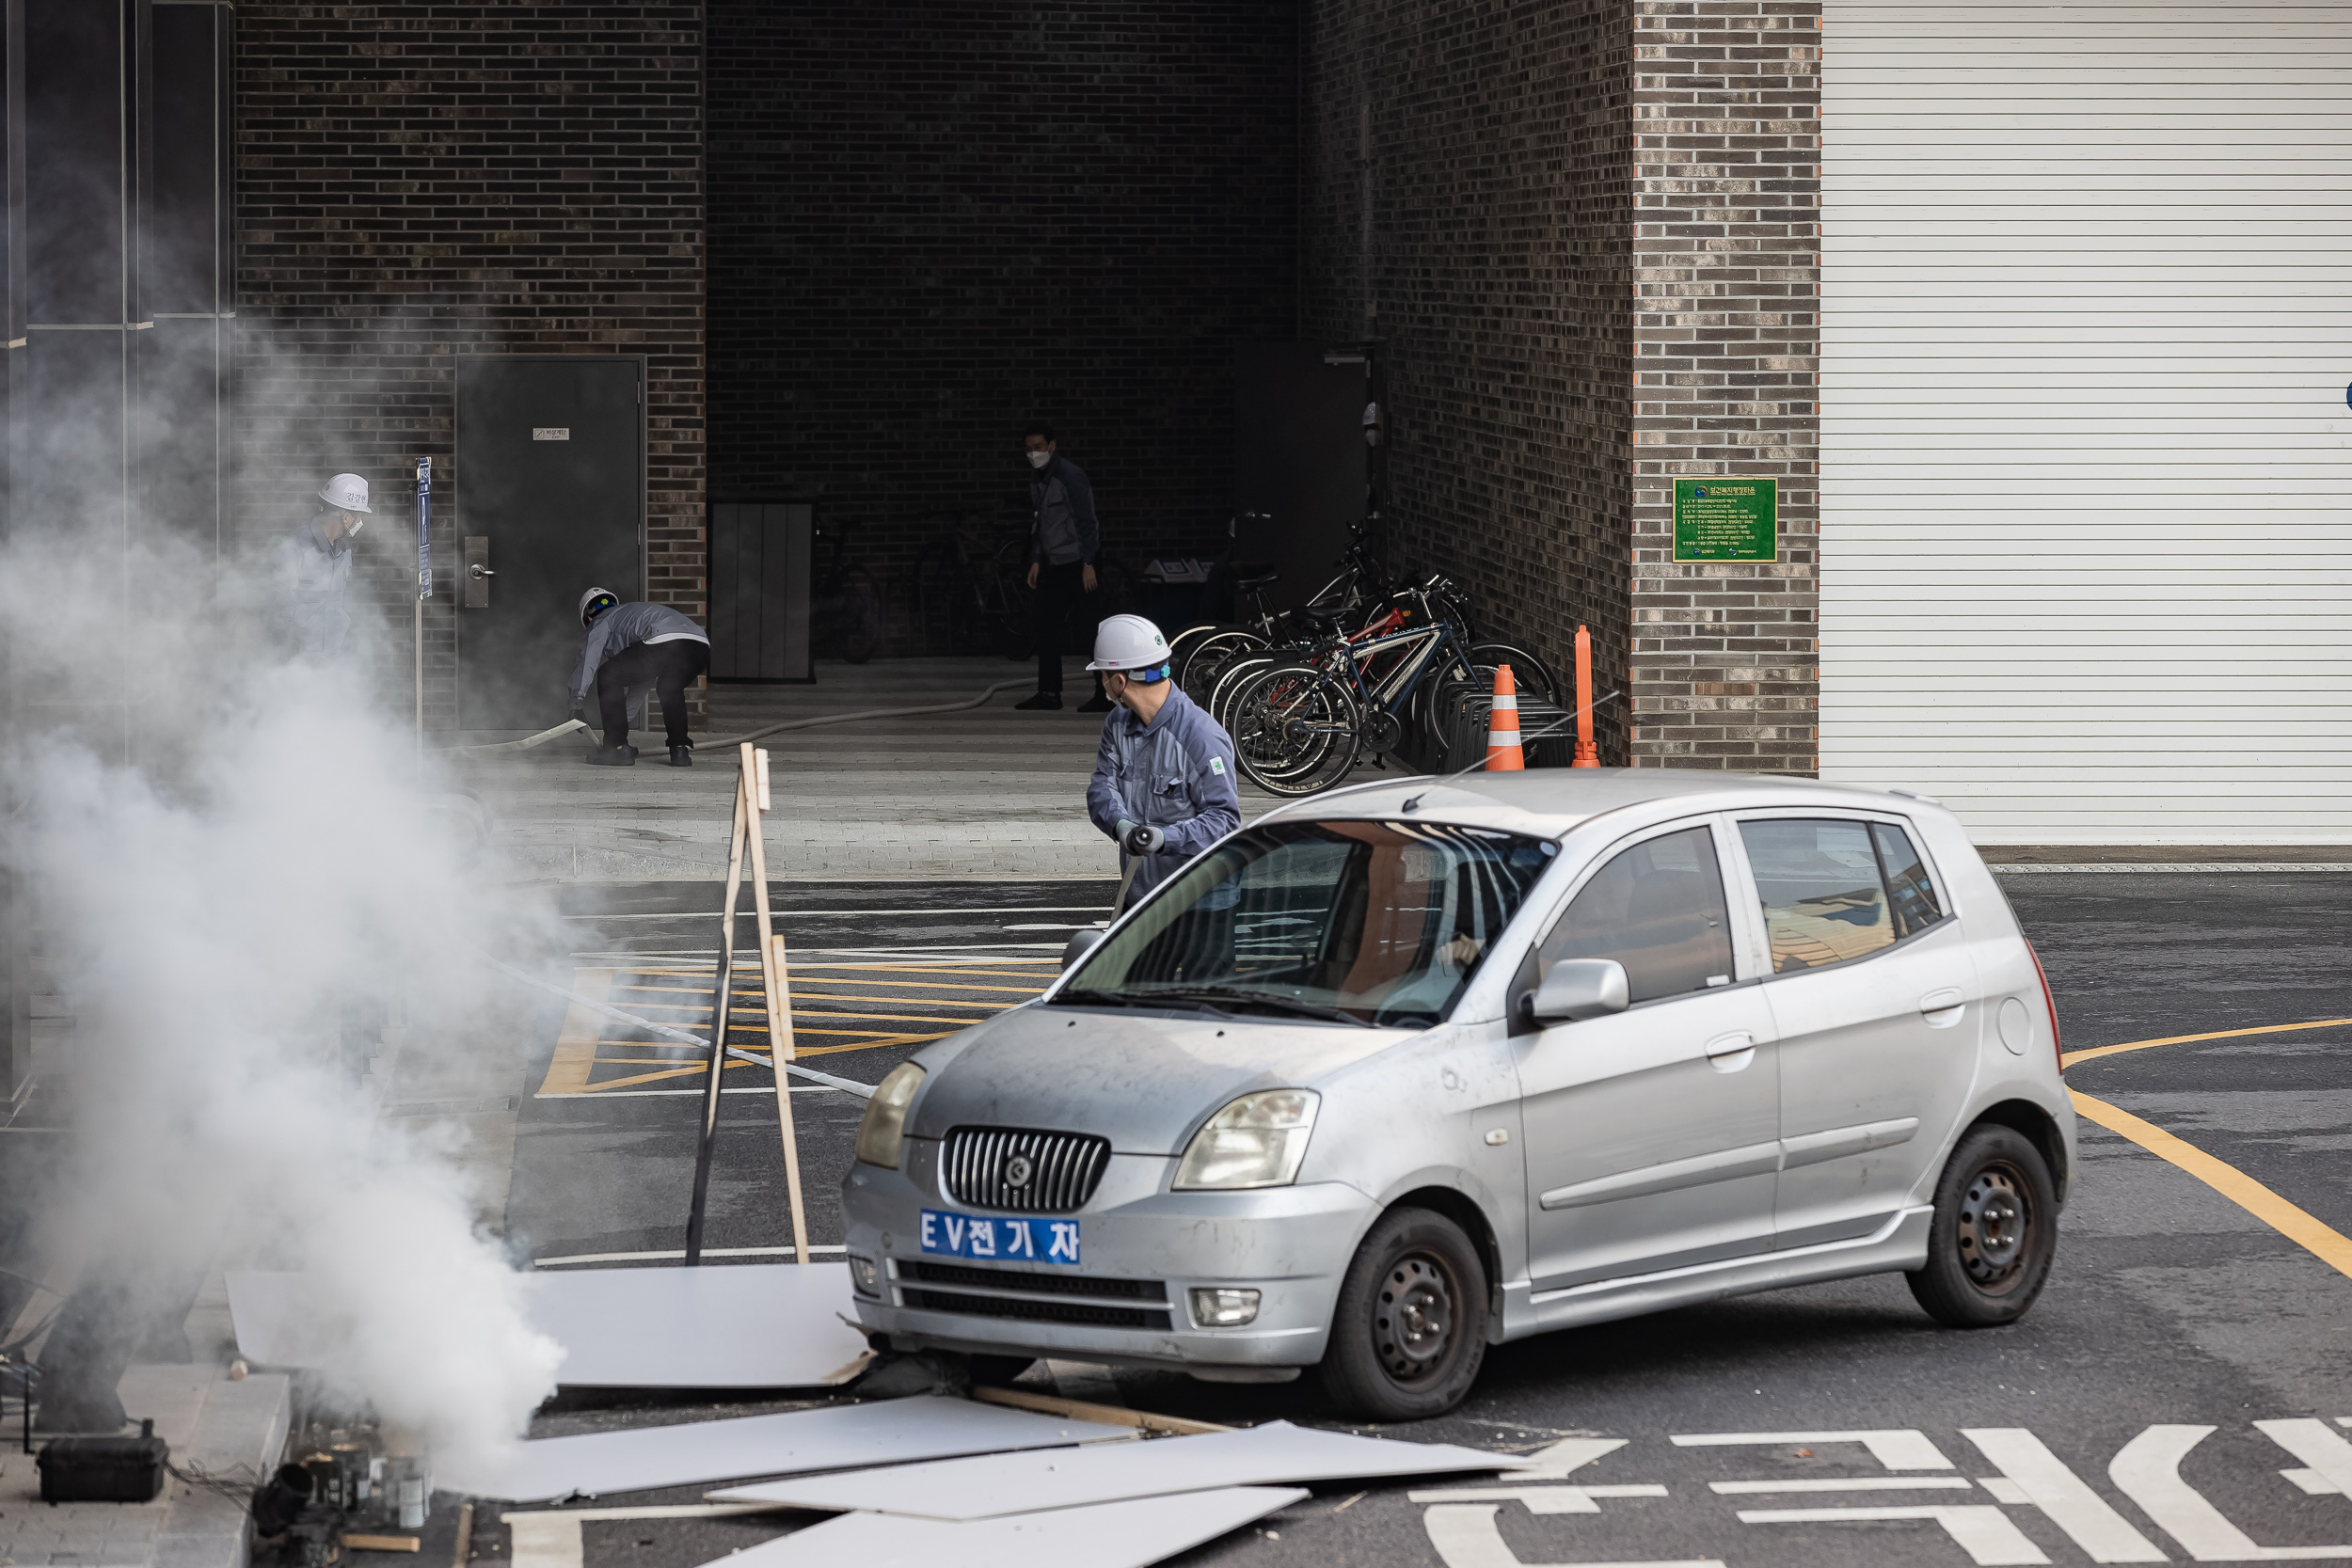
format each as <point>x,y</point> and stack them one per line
<point>744,806</point>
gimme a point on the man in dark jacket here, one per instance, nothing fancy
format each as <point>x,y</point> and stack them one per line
<point>629,645</point>
<point>1064,539</point>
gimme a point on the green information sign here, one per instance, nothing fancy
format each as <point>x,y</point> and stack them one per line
<point>1727,519</point>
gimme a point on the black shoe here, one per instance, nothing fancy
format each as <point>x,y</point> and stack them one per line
<point>1097,703</point>
<point>681,756</point>
<point>612,756</point>
<point>1044,702</point>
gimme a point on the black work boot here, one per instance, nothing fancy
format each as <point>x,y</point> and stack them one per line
<point>612,756</point>
<point>1044,702</point>
<point>681,756</point>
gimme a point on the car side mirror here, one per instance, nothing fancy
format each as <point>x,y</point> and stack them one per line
<point>1080,944</point>
<point>1578,989</point>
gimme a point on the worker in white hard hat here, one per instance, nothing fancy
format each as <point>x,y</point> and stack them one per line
<point>626,647</point>
<point>320,554</point>
<point>1163,784</point>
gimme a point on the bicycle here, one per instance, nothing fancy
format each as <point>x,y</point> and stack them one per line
<point>1307,724</point>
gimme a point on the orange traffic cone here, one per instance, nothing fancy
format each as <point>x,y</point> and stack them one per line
<point>1502,726</point>
<point>1587,754</point>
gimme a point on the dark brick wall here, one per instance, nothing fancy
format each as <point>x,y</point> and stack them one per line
<point>417,182</point>
<point>1497,267</point>
<point>931,223</point>
<point>1726,656</point>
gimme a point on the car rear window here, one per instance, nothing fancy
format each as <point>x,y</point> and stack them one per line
<point>1819,882</point>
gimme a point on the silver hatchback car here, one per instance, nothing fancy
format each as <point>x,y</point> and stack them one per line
<point>1416,1068</point>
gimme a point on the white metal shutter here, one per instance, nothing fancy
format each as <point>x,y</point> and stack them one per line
<point>2086,454</point>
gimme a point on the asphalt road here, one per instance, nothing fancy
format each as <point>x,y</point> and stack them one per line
<point>2170,1306</point>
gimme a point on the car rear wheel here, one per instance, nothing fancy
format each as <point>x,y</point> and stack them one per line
<point>1410,1328</point>
<point>1994,1234</point>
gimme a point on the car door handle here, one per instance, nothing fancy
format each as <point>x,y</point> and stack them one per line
<point>1942,1009</point>
<point>1732,1052</point>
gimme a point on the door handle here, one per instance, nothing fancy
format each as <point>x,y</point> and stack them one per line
<point>1732,1052</point>
<point>1942,1009</point>
<point>479,571</point>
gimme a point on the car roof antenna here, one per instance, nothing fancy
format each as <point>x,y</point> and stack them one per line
<point>1413,802</point>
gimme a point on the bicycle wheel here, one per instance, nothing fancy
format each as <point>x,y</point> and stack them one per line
<point>1530,673</point>
<point>1232,678</point>
<point>1295,730</point>
<point>1199,666</point>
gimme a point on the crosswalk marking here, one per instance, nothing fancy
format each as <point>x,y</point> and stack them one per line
<point>2044,1481</point>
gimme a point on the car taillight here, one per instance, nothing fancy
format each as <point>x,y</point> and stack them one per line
<point>2048,1002</point>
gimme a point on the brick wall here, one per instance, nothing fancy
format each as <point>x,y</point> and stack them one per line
<point>1592,254</point>
<point>417,182</point>
<point>931,223</point>
<point>1493,142</point>
<point>1727,107</point>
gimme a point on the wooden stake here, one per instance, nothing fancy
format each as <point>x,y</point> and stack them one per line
<point>771,973</point>
<point>745,813</point>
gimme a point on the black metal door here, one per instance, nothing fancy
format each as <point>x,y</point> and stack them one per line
<point>551,500</point>
<point>1299,457</point>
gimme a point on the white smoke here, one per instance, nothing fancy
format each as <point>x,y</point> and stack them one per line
<point>230,851</point>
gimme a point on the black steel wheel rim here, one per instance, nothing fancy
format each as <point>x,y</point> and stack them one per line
<point>1415,1320</point>
<point>1996,1230</point>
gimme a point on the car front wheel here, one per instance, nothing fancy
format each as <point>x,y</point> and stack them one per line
<point>1409,1331</point>
<point>1994,1234</point>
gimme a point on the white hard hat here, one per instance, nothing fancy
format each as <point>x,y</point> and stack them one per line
<point>590,597</point>
<point>1130,644</point>
<point>347,493</point>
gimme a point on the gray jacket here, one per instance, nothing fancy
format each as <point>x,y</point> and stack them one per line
<point>321,578</point>
<point>1175,773</point>
<point>623,627</point>
<point>1062,528</point>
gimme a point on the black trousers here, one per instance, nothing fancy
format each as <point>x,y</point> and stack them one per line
<point>667,667</point>
<point>1061,591</point>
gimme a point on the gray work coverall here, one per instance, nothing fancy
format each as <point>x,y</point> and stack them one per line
<point>320,575</point>
<point>1175,774</point>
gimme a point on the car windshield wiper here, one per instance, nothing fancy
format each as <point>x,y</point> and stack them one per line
<point>1235,997</point>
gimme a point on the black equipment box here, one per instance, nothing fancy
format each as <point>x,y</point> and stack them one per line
<point>103,1470</point>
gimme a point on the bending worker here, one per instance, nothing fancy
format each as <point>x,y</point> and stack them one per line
<point>627,645</point>
<point>1163,784</point>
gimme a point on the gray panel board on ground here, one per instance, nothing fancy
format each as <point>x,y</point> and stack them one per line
<point>1109,1535</point>
<point>760,560</point>
<point>760,1325</point>
<point>551,469</point>
<point>998,1485</point>
<point>886,1431</point>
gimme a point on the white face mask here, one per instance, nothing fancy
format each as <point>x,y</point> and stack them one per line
<point>1038,459</point>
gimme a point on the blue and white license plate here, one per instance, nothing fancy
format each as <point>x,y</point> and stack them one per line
<point>1008,1241</point>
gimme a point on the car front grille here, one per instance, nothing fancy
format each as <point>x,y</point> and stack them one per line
<point>1058,1171</point>
<point>1082,1312</point>
<point>1041,1284</point>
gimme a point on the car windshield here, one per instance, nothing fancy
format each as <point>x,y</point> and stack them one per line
<point>1355,922</point>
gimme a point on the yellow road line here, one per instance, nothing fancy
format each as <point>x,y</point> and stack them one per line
<point>2328,1246</point>
<point>2073,1057</point>
<point>576,1047</point>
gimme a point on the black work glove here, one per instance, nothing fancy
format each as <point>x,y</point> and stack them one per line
<point>580,714</point>
<point>1141,840</point>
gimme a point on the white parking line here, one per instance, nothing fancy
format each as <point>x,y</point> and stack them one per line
<point>1982,1530</point>
<point>2043,1480</point>
<point>1896,1448</point>
<point>1841,1484</point>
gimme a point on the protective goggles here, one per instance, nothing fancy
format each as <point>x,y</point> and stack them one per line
<point>1150,676</point>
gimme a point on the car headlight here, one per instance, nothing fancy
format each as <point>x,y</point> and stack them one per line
<point>885,1123</point>
<point>1256,1141</point>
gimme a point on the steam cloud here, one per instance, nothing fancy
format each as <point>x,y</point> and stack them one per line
<point>230,850</point>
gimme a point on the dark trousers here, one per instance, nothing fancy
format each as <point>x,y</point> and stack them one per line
<point>667,667</point>
<point>1061,590</point>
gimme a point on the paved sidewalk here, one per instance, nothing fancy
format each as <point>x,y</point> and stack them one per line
<point>983,793</point>
<point>215,1427</point>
